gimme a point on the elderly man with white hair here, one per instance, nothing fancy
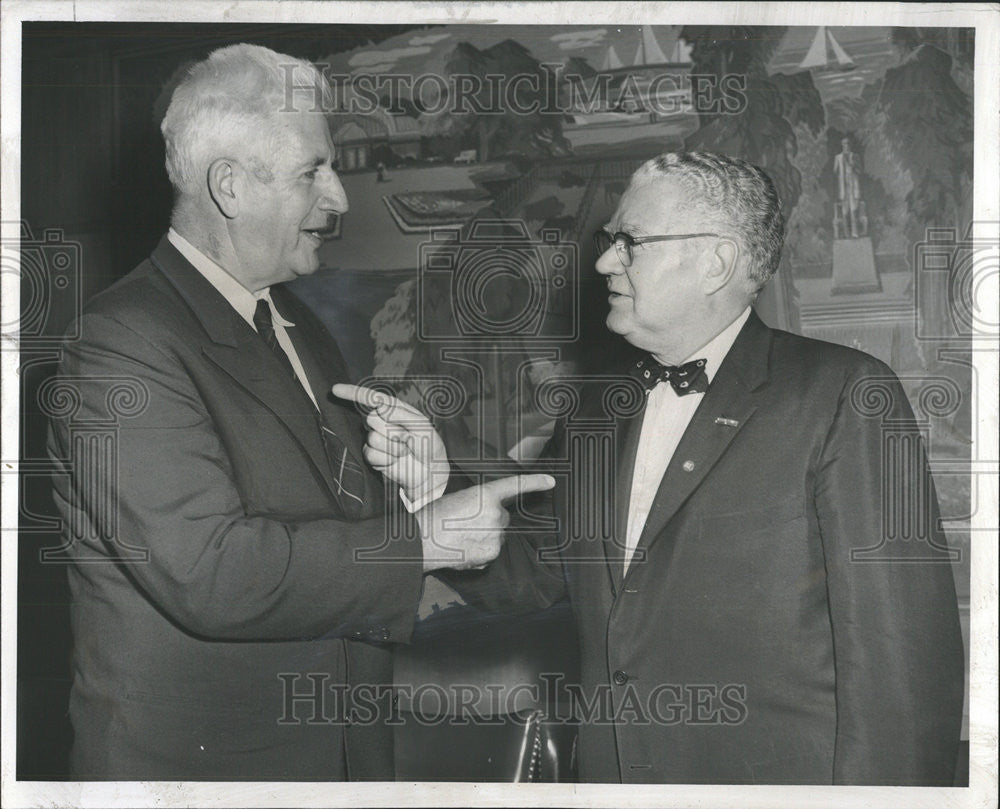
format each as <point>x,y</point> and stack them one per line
<point>240,576</point>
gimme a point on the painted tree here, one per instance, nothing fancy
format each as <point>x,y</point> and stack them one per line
<point>578,66</point>
<point>759,130</point>
<point>522,118</point>
<point>928,119</point>
<point>809,238</point>
<point>887,181</point>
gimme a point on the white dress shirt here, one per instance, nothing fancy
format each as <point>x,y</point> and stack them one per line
<point>243,301</point>
<point>666,417</point>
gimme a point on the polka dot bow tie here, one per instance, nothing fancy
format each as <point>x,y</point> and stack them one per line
<point>687,378</point>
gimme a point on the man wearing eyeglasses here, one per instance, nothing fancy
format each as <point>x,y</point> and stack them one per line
<point>751,616</point>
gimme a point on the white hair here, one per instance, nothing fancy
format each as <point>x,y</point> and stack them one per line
<point>229,105</point>
<point>731,192</point>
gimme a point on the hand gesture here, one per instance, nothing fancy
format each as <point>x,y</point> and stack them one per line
<point>402,443</point>
<point>464,529</point>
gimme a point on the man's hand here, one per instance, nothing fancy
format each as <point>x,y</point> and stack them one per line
<point>465,529</point>
<point>402,443</point>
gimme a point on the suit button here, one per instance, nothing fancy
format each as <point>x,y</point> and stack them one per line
<point>385,633</point>
<point>620,677</point>
<point>688,466</point>
<point>357,635</point>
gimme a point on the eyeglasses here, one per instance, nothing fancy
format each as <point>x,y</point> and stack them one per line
<point>624,242</point>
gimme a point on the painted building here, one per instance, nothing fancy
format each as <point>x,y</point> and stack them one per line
<point>358,136</point>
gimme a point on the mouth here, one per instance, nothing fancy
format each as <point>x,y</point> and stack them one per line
<point>314,235</point>
<point>614,294</point>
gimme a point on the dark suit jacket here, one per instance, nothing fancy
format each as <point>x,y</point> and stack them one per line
<point>216,574</point>
<point>772,628</point>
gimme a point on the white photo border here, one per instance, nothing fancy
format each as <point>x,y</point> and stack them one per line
<point>982,790</point>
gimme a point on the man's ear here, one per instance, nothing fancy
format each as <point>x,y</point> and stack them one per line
<point>223,176</point>
<point>720,265</point>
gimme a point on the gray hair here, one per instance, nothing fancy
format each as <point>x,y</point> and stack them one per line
<point>733,193</point>
<point>229,105</point>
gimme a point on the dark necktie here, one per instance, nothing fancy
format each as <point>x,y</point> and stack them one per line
<point>684,379</point>
<point>347,473</point>
<point>265,328</point>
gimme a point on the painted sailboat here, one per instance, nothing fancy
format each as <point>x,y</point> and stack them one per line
<point>648,52</point>
<point>681,54</point>
<point>672,98</point>
<point>611,60</point>
<point>825,53</point>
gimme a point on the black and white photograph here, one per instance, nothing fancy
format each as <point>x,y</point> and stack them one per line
<point>500,404</point>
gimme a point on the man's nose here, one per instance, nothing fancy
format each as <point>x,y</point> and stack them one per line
<point>608,262</point>
<point>333,198</point>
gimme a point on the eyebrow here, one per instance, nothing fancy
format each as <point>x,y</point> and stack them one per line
<point>316,162</point>
<point>632,230</point>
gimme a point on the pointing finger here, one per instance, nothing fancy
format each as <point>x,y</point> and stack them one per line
<point>400,413</point>
<point>366,397</point>
<point>389,408</point>
<point>506,488</point>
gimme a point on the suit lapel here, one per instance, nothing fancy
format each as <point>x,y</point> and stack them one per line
<point>237,350</point>
<point>252,366</point>
<point>724,411</point>
<point>627,435</point>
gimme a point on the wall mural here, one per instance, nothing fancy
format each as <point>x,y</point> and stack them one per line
<point>867,133</point>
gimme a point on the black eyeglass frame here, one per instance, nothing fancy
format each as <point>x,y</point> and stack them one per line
<point>602,237</point>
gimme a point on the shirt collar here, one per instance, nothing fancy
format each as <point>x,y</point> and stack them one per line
<point>715,351</point>
<point>239,297</point>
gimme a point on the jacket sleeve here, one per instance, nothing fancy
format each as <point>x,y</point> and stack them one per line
<point>171,495</point>
<point>894,617</point>
<point>528,574</point>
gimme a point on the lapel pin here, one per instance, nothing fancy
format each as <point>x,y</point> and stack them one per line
<point>727,422</point>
